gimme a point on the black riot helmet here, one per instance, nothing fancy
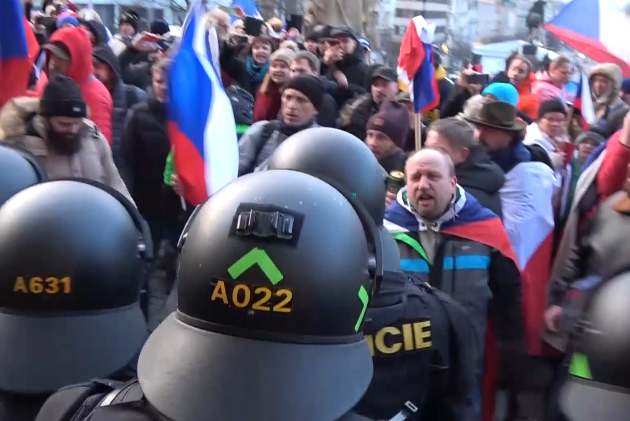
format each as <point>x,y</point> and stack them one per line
<point>345,162</point>
<point>273,283</point>
<point>598,387</point>
<point>337,156</point>
<point>18,170</point>
<point>69,287</point>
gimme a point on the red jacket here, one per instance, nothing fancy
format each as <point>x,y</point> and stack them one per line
<point>81,70</point>
<point>267,104</point>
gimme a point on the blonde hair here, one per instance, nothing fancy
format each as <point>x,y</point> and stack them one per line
<point>265,85</point>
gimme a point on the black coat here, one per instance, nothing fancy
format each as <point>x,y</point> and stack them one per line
<point>482,178</point>
<point>145,146</point>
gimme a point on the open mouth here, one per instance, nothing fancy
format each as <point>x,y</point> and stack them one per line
<point>425,201</point>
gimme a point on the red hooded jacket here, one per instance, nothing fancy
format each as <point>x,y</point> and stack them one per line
<point>81,70</point>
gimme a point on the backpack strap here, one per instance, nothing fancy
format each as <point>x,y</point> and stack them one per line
<point>65,403</point>
<point>267,131</point>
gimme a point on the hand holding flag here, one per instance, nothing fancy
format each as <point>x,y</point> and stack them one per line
<point>200,119</point>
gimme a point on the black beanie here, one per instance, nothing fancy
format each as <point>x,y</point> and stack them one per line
<point>159,27</point>
<point>62,98</point>
<point>311,86</point>
<point>555,105</point>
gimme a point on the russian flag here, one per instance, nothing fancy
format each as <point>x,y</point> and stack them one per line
<point>200,119</point>
<point>248,7</point>
<point>415,65</point>
<point>584,102</point>
<point>18,47</point>
<point>596,28</point>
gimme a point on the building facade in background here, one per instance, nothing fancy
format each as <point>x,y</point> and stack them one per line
<point>172,11</point>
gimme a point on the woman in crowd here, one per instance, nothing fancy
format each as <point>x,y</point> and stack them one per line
<point>258,62</point>
<point>267,104</point>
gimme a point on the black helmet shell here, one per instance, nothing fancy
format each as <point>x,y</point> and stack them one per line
<point>273,286</point>
<point>598,387</point>
<point>338,157</point>
<point>69,287</point>
<point>17,172</point>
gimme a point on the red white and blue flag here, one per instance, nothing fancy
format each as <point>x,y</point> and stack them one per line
<point>18,48</point>
<point>200,119</point>
<point>599,29</point>
<point>415,65</point>
<point>584,102</point>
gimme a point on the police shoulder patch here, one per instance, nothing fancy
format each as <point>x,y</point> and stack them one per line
<point>404,336</point>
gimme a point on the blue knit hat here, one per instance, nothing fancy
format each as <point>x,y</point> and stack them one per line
<point>625,85</point>
<point>505,92</point>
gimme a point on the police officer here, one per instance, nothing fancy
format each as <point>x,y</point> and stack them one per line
<point>18,170</point>
<point>69,290</point>
<point>598,386</point>
<point>274,282</point>
<point>410,330</point>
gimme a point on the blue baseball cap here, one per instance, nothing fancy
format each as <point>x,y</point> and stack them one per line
<point>505,92</point>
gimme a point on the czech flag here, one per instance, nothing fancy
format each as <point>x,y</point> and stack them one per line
<point>599,29</point>
<point>415,65</point>
<point>200,119</point>
<point>584,102</point>
<point>18,47</point>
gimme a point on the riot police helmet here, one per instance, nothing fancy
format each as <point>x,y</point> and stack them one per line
<point>69,287</point>
<point>273,288</point>
<point>338,157</point>
<point>598,386</point>
<point>347,163</point>
<point>18,170</point>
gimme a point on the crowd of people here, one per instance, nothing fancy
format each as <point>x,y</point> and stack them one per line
<point>478,252</point>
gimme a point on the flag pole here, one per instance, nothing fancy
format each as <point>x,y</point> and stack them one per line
<point>417,121</point>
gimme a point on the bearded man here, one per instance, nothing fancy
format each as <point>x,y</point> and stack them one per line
<point>56,131</point>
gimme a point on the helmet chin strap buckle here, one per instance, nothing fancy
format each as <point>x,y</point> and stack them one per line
<point>408,410</point>
<point>265,224</point>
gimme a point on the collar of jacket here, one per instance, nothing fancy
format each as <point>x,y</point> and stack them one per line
<point>457,203</point>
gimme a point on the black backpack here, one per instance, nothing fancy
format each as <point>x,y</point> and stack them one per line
<point>242,104</point>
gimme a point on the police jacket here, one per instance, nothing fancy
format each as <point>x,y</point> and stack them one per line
<point>423,352</point>
<point>479,276</point>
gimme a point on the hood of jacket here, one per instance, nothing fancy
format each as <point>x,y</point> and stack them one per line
<point>612,72</point>
<point>15,115</point>
<point>99,31</point>
<point>78,43</point>
<point>105,54</point>
<point>479,172</point>
<point>351,59</point>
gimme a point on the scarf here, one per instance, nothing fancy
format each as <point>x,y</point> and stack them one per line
<point>291,130</point>
<point>256,71</point>
<point>511,156</point>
